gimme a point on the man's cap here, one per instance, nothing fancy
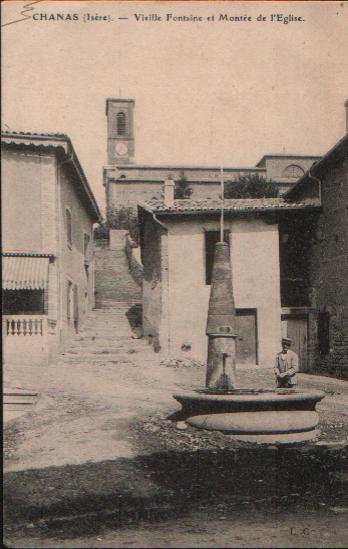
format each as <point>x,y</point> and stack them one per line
<point>286,340</point>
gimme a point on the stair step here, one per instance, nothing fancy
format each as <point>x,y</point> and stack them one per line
<point>125,303</point>
<point>19,393</point>
<point>17,407</point>
<point>19,402</point>
<point>88,339</point>
<point>108,327</point>
<point>107,358</point>
<point>108,350</point>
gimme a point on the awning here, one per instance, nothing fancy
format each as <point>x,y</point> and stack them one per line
<point>24,273</point>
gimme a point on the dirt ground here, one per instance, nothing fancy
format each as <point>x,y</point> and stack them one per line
<point>217,529</point>
<point>101,432</point>
<point>86,409</point>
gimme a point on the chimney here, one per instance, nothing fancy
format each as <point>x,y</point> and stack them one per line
<point>346,105</point>
<point>169,186</point>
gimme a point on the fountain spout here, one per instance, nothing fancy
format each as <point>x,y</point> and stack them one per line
<point>224,383</point>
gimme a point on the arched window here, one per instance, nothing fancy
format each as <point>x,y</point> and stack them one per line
<point>121,123</point>
<point>293,171</point>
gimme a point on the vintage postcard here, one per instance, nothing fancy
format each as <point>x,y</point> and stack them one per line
<point>175,273</point>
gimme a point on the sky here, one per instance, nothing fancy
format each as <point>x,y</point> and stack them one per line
<point>206,92</point>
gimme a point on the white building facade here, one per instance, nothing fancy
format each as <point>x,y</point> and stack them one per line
<point>48,212</point>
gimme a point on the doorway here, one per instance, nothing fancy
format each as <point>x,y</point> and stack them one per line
<point>246,343</point>
<point>296,328</point>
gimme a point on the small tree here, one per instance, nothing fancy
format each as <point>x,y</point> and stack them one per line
<point>251,186</point>
<point>124,218</point>
<point>182,189</point>
<point>101,231</point>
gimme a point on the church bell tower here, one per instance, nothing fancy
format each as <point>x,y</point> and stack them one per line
<point>119,114</point>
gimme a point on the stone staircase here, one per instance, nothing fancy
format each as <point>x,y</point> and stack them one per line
<point>110,335</point>
<point>113,281</point>
<point>19,399</point>
<point>112,331</point>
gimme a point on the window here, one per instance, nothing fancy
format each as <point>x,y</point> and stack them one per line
<point>86,241</point>
<point>23,302</point>
<point>293,171</point>
<point>69,301</point>
<point>68,227</point>
<point>121,123</point>
<point>324,333</point>
<point>211,238</point>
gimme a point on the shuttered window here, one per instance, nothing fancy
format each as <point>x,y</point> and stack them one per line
<point>121,123</point>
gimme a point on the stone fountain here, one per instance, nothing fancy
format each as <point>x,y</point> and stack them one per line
<point>260,415</point>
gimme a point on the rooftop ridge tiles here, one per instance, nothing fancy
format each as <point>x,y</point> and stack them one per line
<point>9,133</point>
<point>235,204</point>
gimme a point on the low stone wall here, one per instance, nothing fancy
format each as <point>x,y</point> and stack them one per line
<point>135,267</point>
<point>116,238</point>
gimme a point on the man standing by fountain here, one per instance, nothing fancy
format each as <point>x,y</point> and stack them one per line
<point>286,365</point>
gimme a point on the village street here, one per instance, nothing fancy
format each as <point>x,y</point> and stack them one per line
<point>98,449</point>
<point>174,274</point>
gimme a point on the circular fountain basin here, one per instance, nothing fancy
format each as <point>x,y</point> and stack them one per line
<point>261,415</point>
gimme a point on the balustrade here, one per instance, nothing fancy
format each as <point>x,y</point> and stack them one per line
<point>24,326</point>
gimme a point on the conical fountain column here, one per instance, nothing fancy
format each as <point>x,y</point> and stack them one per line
<point>221,363</point>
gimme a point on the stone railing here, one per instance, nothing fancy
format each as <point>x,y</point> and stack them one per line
<point>24,325</point>
<point>135,267</point>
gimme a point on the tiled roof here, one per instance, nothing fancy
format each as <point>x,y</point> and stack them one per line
<point>26,254</point>
<point>33,134</point>
<point>198,180</point>
<point>230,205</point>
<point>37,140</point>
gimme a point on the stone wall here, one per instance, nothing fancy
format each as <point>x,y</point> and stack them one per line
<point>329,268</point>
<point>152,281</point>
<point>131,194</point>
